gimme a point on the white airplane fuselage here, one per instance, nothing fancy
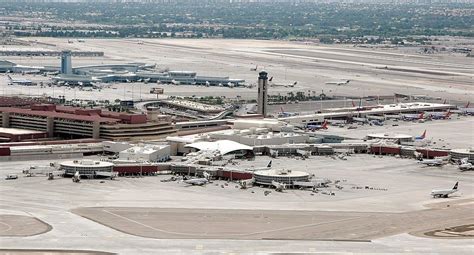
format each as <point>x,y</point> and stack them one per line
<point>444,193</point>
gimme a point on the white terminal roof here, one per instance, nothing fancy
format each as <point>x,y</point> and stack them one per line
<point>18,131</point>
<point>257,133</point>
<point>256,122</point>
<point>223,146</point>
<point>381,109</point>
<point>195,105</point>
<point>27,49</point>
<point>148,149</point>
<point>390,136</point>
<point>281,173</point>
<point>186,139</point>
<point>463,151</point>
<point>86,163</point>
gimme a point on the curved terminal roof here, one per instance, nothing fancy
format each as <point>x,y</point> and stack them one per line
<point>463,151</point>
<point>86,163</point>
<point>281,173</point>
<point>223,146</point>
<point>389,136</point>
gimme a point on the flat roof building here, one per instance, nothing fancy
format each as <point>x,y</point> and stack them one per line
<point>146,153</point>
<point>463,153</point>
<point>344,113</point>
<point>285,176</point>
<point>397,138</point>
<point>88,168</point>
<point>17,135</point>
<point>73,122</point>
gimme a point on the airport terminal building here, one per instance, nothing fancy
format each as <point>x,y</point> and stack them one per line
<point>71,122</point>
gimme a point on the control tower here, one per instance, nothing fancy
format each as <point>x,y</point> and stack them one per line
<point>66,66</point>
<point>262,99</point>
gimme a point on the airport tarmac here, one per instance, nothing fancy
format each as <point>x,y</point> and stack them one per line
<point>400,187</point>
<point>172,223</point>
<point>308,64</point>
<point>398,202</point>
<point>454,133</point>
<point>20,225</point>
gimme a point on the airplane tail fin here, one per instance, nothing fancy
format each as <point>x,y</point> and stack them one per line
<point>422,114</point>
<point>444,101</point>
<point>448,113</point>
<point>9,77</point>
<point>325,125</point>
<point>455,186</point>
<point>269,164</point>
<point>423,135</point>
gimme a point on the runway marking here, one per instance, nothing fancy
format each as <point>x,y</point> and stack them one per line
<point>466,203</point>
<point>5,224</point>
<point>243,234</point>
<point>362,63</point>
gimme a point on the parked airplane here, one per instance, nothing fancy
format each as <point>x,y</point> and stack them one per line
<point>360,107</point>
<point>466,109</point>
<point>318,127</point>
<point>439,115</point>
<point>422,136</point>
<point>278,186</point>
<point>376,123</point>
<point>269,165</point>
<point>444,192</point>
<point>199,181</point>
<point>23,82</point>
<point>432,162</point>
<point>11,177</point>
<point>283,114</point>
<point>411,117</point>
<point>360,120</point>
<point>338,83</point>
<point>76,177</point>
<point>270,82</point>
<point>465,165</point>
